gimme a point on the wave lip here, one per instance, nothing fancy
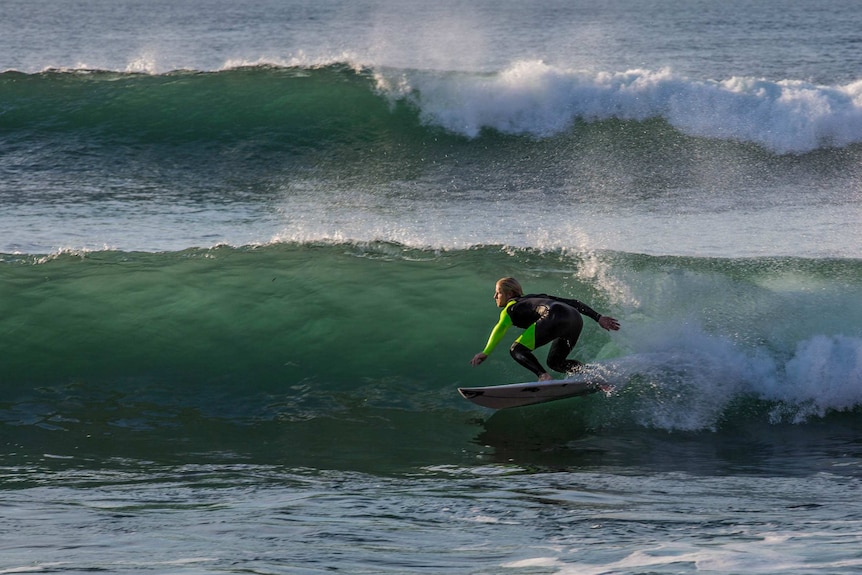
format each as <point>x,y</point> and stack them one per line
<point>536,99</point>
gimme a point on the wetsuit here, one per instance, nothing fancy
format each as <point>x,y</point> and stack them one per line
<point>544,318</point>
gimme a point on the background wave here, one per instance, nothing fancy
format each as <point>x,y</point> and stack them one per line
<point>101,160</point>
<point>296,108</point>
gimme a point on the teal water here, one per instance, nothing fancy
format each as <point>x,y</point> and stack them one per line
<point>335,335</point>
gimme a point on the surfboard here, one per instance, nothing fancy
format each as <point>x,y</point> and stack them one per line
<point>529,393</point>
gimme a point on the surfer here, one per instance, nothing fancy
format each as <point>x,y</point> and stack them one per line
<point>544,318</point>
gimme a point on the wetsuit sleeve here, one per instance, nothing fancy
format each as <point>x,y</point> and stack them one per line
<point>499,330</point>
<point>581,307</point>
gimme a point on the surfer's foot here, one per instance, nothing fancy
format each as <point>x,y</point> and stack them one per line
<point>545,377</point>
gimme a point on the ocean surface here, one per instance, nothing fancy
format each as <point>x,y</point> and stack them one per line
<point>247,251</point>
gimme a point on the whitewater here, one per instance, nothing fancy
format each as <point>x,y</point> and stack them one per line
<point>248,250</point>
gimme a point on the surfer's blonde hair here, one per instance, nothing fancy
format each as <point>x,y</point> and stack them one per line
<point>510,286</point>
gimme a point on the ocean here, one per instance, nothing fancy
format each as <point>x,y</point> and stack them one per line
<point>247,251</point>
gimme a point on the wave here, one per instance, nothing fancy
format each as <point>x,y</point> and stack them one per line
<point>314,106</point>
<point>317,332</point>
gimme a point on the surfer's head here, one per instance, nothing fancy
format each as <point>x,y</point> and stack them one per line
<point>506,289</point>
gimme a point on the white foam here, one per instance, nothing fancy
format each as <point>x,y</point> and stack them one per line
<point>533,98</point>
<point>825,373</point>
<point>685,378</point>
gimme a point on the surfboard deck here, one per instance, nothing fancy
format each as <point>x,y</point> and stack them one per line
<point>529,393</point>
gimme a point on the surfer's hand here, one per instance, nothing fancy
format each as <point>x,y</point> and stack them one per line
<point>478,358</point>
<point>609,323</point>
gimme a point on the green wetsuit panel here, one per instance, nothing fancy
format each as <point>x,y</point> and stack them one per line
<point>528,338</point>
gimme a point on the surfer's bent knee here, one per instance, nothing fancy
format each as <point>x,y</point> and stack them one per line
<point>525,357</point>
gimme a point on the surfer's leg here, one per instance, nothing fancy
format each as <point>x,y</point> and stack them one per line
<point>560,324</point>
<point>522,354</point>
<point>557,359</point>
<point>563,345</point>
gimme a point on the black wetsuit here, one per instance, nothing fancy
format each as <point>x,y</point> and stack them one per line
<point>545,319</point>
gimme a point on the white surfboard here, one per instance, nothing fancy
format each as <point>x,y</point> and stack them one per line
<point>528,393</point>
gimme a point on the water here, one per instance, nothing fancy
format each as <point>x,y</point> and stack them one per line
<point>247,251</point>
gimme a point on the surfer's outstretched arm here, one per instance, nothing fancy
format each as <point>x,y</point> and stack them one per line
<point>497,334</point>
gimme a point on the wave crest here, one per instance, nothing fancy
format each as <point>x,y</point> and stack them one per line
<point>536,99</point>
